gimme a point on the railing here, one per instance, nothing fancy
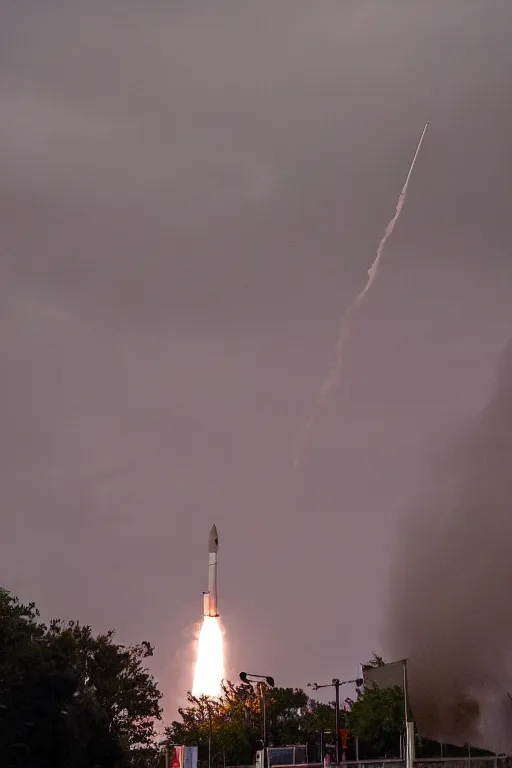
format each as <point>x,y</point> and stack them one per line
<point>492,761</point>
<point>431,762</point>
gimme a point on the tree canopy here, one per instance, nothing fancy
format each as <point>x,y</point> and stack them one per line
<point>69,697</point>
<point>376,718</point>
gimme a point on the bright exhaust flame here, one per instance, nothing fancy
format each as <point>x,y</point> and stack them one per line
<point>210,659</point>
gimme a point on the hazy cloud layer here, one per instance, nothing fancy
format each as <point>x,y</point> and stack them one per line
<point>190,195</point>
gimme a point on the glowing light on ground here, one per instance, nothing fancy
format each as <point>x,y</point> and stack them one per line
<point>210,659</point>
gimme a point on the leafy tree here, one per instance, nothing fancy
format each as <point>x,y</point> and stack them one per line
<point>69,697</point>
<point>286,708</point>
<point>376,718</point>
<point>319,717</point>
<point>35,691</point>
<point>112,678</point>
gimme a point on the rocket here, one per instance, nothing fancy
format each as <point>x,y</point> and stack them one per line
<point>210,597</point>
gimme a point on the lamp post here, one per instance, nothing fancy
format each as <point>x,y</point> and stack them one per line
<point>336,684</point>
<point>208,704</point>
<point>260,680</point>
<point>209,735</point>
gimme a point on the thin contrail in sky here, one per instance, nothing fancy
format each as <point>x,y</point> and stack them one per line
<point>333,379</point>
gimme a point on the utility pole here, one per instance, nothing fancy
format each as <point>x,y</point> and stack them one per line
<point>263,707</point>
<point>209,736</point>
<point>336,684</point>
<point>261,681</point>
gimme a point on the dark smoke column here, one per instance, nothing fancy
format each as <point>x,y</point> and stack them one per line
<point>449,611</point>
<point>210,603</point>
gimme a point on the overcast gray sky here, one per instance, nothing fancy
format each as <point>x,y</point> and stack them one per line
<point>191,194</point>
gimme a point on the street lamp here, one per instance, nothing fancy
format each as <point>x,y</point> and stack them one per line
<point>207,701</point>
<point>260,680</point>
<point>208,705</point>
<point>336,684</point>
<point>247,677</point>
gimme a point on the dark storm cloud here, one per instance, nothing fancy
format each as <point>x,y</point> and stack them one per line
<point>190,195</point>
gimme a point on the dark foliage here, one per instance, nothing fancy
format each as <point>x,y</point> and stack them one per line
<point>70,698</point>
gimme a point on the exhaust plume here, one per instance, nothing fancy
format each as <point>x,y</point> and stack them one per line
<point>449,611</point>
<point>209,672</point>
<point>333,379</point>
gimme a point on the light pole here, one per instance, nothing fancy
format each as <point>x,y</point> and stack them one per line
<point>209,735</point>
<point>260,680</point>
<point>336,684</point>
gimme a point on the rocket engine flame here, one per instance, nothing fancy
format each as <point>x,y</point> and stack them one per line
<point>333,379</point>
<point>209,672</point>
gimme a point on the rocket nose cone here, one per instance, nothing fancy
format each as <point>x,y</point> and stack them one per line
<point>213,541</point>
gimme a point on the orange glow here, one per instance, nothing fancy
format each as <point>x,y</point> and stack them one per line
<point>210,659</point>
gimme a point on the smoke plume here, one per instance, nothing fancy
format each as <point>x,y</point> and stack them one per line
<point>449,611</point>
<point>332,381</point>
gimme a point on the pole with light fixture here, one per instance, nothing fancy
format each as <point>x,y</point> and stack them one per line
<point>261,681</point>
<point>336,684</point>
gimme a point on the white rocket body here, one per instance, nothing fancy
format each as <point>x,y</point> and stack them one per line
<point>210,597</point>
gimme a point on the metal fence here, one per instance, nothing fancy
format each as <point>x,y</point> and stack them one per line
<point>434,762</point>
<point>465,762</point>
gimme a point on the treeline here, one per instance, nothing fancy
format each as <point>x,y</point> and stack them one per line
<point>374,721</point>
<point>73,699</point>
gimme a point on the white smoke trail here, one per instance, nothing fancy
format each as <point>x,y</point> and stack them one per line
<point>333,379</point>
